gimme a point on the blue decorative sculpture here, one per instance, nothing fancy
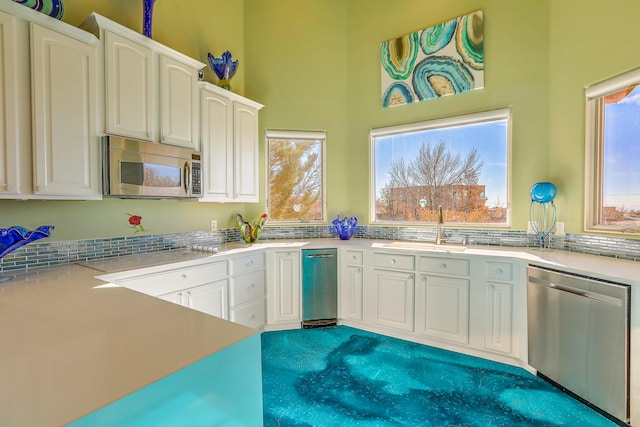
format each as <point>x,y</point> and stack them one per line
<point>345,227</point>
<point>542,212</point>
<point>224,68</point>
<point>14,237</point>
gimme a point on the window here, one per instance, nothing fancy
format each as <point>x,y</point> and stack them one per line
<point>295,176</point>
<point>459,163</point>
<point>612,181</point>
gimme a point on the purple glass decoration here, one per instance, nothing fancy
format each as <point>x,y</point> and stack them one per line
<point>345,227</point>
<point>224,68</point>
<point>13,237</point>
<point>147,17</point>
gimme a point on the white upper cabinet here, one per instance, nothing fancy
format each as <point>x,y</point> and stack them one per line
<point>229,146</point>
<point>66,146</point>
<point>128,88</point>
<point>179,103</point>
<point>151,90</point>
<point>49,108</point>
<point>15,126</point>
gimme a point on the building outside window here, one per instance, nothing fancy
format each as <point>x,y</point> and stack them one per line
<point>296,176</point>
<point>612,193</point>
<point>459,163</point>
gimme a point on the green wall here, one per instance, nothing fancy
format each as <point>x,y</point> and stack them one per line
<point>315,66</point>
<point>590,41</point>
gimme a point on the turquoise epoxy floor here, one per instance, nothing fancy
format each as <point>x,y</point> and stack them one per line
<point>342,376</point>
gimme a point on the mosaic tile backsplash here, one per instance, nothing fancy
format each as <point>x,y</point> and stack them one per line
<point>44,254</point>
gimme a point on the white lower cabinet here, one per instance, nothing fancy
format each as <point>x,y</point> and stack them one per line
<point>392,294</point>
<point>284,282</point>
<point>247,296</point>
<point>442,308</point>
<point>352,285</point>
<point>499,325</point>
<point>210,298</point>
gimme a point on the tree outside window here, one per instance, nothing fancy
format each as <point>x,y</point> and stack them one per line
<point>295,176</point>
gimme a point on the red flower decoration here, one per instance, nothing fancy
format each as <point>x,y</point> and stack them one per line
<point>135,222</point>
<point>135,219</point>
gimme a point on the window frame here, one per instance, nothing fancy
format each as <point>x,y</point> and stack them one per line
<point>594,151</point>
<point>466,119</point>
<point>299,135</point>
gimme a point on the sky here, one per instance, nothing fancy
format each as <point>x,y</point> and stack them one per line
<point>490,139</point>
<point>622,153</point>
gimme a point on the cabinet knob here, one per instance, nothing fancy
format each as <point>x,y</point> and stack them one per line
<point>359,270</point>
<point>499,271</point>
<point>393,261</point>
<point>253,316</point>
<point>183,276</point>
<point>353,257</point>
<point>443,265</point>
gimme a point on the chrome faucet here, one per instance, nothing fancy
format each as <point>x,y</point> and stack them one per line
<point>439,239</point>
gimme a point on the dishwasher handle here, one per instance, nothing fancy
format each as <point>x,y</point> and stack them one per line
<point>319,256</point>
<point>575,291</point>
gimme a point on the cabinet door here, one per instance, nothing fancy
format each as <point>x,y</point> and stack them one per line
<point>217,147</point>
<point>179,103</point>
<point>246,153</point>
<point>129,88</point>
<point>64,116</point>
<point>498,319</point>
<point>442,308</point>
<point>351,293</point>
<point>15,125</point>
<point>210,298</point>
<point>283,287</point>
<point>394,299</point>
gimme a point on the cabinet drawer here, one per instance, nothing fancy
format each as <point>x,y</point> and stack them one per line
<point>448,266</point>
<point>394,261</point>
<point>251,315</point>
<point>500,271</point>
<point>246,263</point>
<point>353,257</point>
<point>175,280</point>
<point>245,287</point>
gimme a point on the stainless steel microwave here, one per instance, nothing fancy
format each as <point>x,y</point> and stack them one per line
<point>141,169</point>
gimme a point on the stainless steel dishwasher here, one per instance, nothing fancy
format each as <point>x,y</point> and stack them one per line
<point>319,287</point>
<point>579,336</point>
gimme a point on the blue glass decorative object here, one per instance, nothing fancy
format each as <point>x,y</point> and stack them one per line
<point>224,68</point>
<point>53,8</point>
<point>147,17</point>
<point>14,237</point>
<point>542,212</point>
<point>345,227</point>
<point>543,192</point>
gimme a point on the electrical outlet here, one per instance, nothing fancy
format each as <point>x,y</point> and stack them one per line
<point>559,229</point>
<point>214,225</point>
<point>531,229</point>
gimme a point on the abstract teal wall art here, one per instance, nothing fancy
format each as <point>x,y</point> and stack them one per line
<point>445,59</point>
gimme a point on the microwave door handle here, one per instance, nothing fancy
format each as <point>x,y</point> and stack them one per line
<point>187,177</point>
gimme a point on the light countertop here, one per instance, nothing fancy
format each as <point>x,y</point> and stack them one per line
<point>71,343</point>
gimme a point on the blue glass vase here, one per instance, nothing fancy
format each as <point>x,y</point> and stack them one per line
<point>345,227</point>
<point>147,17</point>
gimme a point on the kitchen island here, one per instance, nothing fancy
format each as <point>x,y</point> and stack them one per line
<point>72,344</point>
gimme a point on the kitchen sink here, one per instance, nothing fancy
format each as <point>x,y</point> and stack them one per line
<point>426,246</point>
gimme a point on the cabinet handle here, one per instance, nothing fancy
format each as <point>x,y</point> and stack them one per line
<point>443,265</point>
<point>359,270</point>
<point>499,271</point>
<point>353,257</point>
<point>183,276</point>
<point>393,261</point>
<point>252,286</point>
